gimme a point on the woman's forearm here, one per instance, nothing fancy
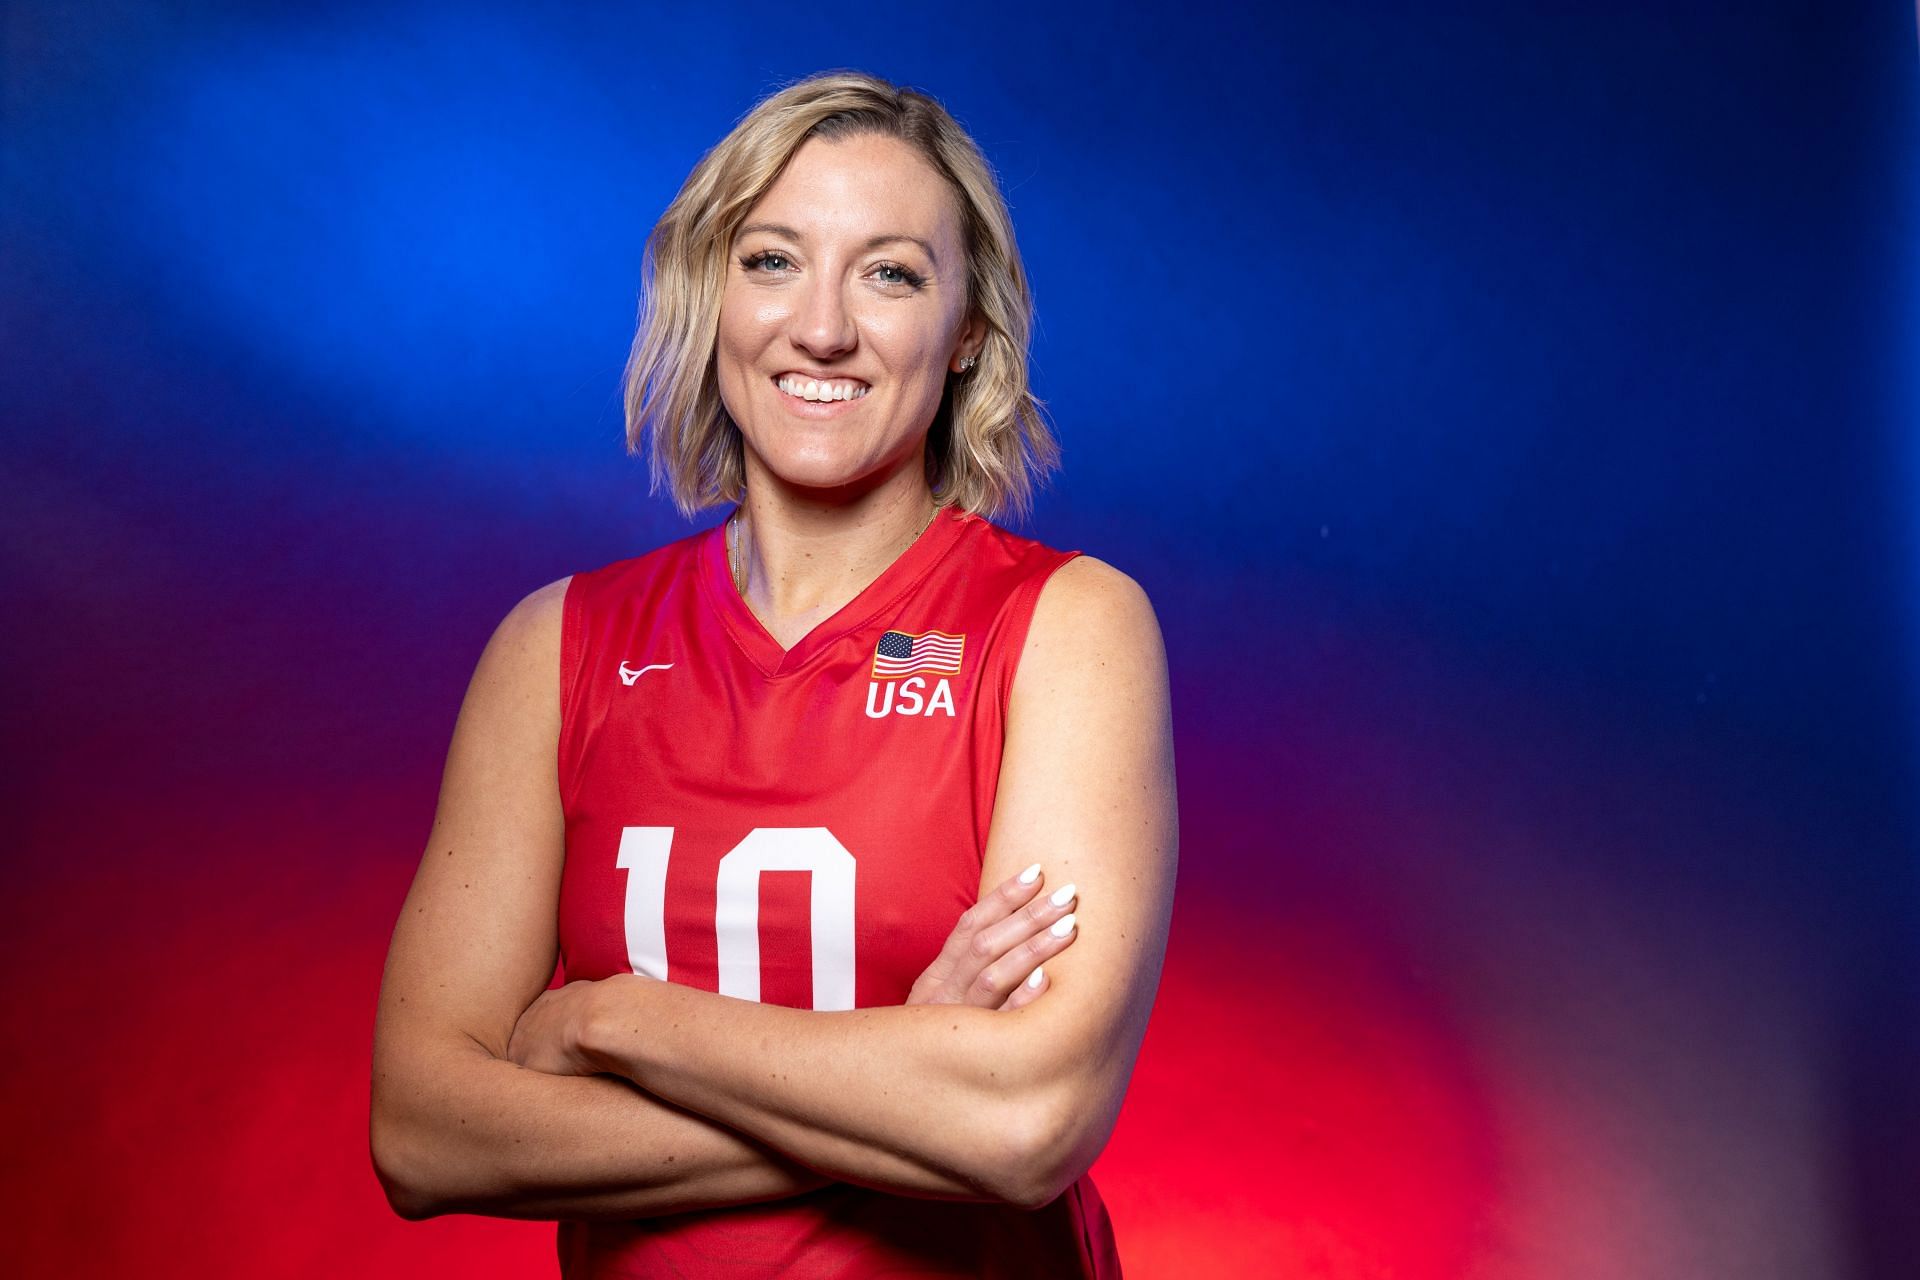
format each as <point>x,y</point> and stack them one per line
<point>906,1099</point>
<point>472,1133</point>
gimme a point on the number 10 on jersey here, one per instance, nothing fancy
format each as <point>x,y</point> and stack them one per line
<point>736,918</point>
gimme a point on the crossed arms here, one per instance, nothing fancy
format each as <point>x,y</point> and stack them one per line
<point>664,1112</point>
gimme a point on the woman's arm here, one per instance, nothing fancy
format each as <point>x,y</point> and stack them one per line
<point>481,1135</point>
<point>1015,1105</point>
<point>455,1126</point>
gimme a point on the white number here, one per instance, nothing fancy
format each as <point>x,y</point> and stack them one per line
<point>643,853</point>
<point>736,919</point>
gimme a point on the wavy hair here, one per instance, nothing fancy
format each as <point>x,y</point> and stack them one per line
<point>989,444</point>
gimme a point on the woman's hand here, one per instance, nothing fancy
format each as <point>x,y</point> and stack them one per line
<point>548,1035</point>
<point>992,957</point>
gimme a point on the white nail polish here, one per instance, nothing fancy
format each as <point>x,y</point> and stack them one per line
<point>1063,895</point>
<point>1063,926</point>
<point>1033,979</point>
<point>1031,874</point>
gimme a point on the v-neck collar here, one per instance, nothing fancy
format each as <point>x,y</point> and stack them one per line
<point>907,569</point>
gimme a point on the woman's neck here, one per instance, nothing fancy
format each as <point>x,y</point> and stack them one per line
<point>801,563</point>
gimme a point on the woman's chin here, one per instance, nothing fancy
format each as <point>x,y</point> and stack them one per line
<point>817,464</point>
<point>817,474</point>
<point>819,460</point>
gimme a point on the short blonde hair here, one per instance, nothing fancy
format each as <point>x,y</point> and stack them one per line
<point>989,444</point>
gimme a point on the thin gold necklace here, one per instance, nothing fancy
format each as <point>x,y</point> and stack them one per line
<point>733,546</point>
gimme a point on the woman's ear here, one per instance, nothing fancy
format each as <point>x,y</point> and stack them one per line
<point>973,337</point>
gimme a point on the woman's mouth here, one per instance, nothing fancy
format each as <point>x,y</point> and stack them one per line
<point>813,398</point>
<point>821,391</point>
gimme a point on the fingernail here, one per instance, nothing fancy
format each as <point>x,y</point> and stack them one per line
<point>1063,926</point>
<point>1033,979</point>
<point>1063,895</point>
<point>1030,874</point>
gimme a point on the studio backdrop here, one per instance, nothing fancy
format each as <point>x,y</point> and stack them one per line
<point>1510,411</point>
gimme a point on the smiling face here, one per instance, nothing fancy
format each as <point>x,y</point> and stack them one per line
<point>849,272</point>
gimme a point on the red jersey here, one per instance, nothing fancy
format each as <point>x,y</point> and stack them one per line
<point>802,827</point>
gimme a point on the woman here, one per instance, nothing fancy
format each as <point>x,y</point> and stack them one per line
<point>856,675</point>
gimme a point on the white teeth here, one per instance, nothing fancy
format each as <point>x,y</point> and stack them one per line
<point>811,389</point>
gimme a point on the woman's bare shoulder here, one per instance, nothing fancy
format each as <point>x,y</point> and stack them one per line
<point>543,604</point>
<point>1087,590</point>
<point>1092,625</point>
<point>535,619</point>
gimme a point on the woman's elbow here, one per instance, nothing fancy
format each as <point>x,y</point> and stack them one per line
<point>1050,1148</point>
<point>399,1174</point>
<point>1062,1140</point>
<point>422,1154</point>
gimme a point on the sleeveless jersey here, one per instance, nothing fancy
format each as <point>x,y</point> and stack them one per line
<point>802,827</point>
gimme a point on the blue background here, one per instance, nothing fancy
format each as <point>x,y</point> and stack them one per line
<point>1511,414</point>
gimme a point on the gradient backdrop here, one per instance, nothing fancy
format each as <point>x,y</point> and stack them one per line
<point>1510,413</point>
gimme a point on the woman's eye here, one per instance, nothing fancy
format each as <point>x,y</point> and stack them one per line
<point>776,262</point>
<point>754,260</point>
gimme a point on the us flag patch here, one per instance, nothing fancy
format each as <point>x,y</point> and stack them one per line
<point>933,653</point>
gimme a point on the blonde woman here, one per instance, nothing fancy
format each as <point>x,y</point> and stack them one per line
<point>850,820</point>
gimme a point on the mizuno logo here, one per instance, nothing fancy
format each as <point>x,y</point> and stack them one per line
<point>629,674</point>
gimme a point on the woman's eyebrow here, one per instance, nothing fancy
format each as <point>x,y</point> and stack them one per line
<point>778,229</point>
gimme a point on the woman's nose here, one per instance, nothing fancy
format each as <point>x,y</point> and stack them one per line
<point>823,325</point>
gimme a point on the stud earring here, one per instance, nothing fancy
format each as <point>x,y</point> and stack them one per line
<point>967,362</point>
